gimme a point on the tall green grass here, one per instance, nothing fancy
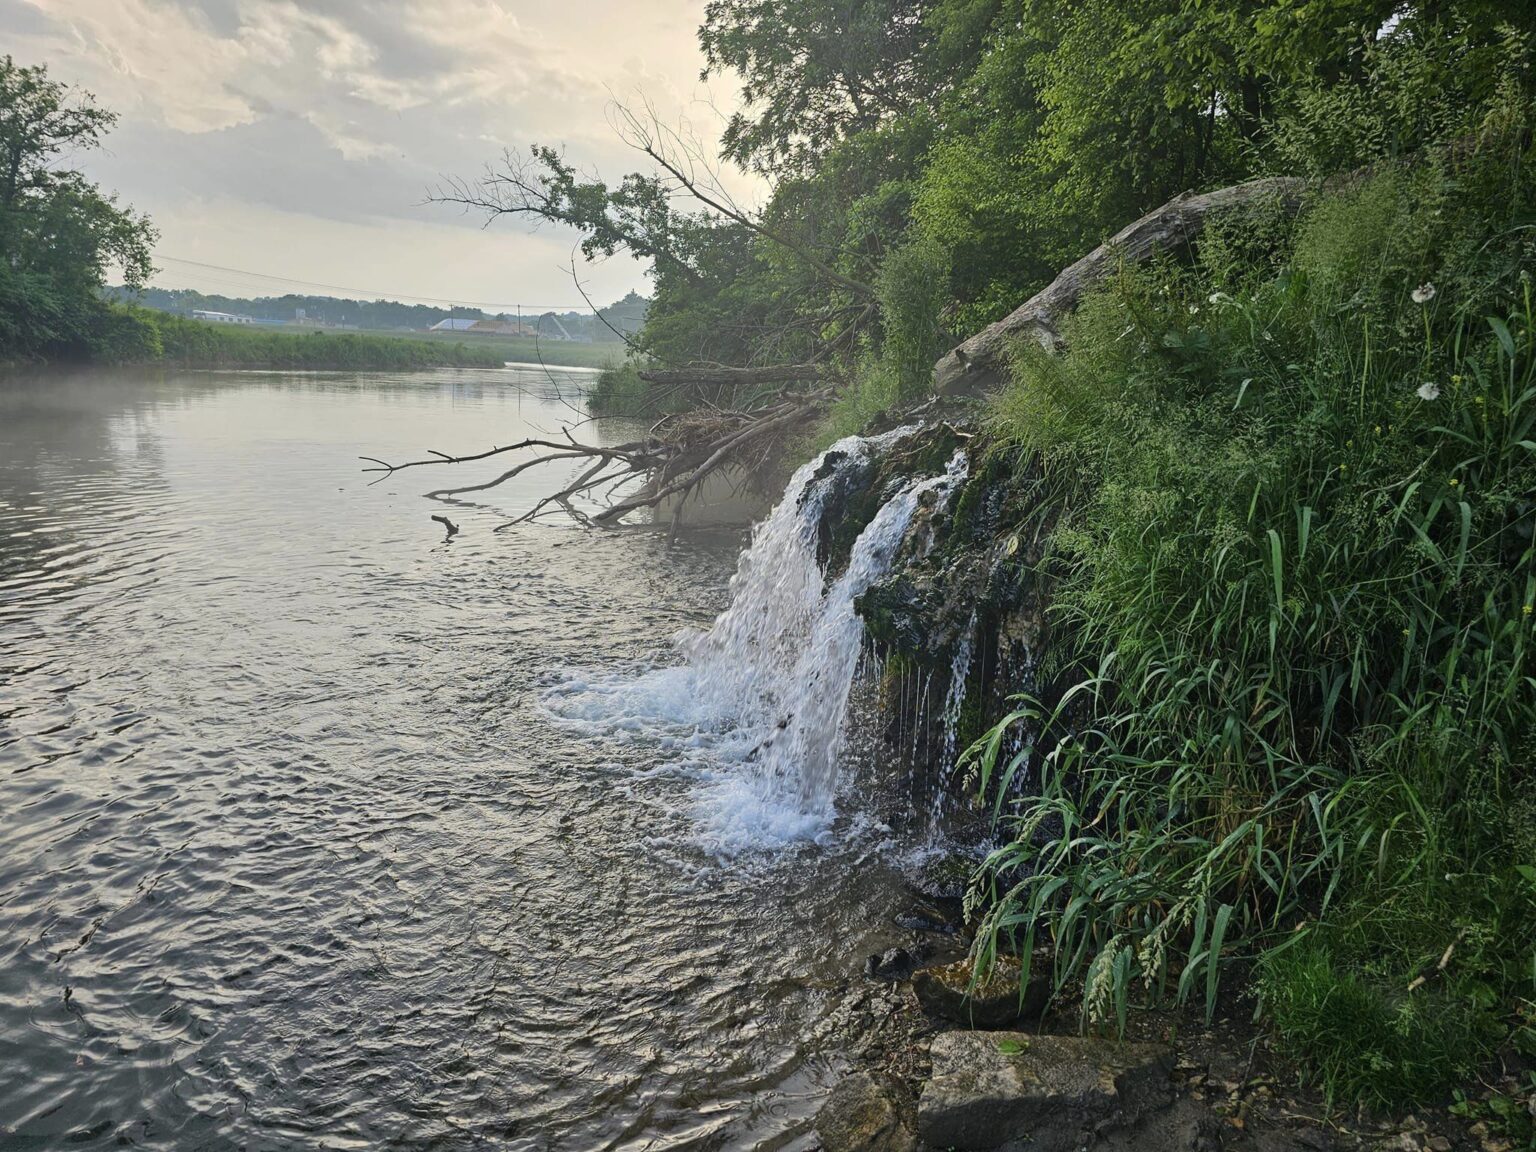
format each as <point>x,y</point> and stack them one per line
<point>194,343</point>
<point>1295,566</point>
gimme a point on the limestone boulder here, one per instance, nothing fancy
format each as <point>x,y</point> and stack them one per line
<point>1014,1091</point>
<point>861,1115</point>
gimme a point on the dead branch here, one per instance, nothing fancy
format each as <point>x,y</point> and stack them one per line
<point>677,455</point>
<point>722,374</point>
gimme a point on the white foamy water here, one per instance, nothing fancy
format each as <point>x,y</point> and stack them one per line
<point>755,711</point>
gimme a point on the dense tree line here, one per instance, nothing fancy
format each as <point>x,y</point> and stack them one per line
<point>971,148</point>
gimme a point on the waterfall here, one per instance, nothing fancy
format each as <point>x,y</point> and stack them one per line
<point>762,696</point>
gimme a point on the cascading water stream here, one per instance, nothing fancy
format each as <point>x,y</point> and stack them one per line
<point>763,694</point>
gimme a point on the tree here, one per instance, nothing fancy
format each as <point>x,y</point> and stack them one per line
<point>59,233</point>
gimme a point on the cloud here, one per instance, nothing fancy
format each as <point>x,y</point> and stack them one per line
<point>345,111</point>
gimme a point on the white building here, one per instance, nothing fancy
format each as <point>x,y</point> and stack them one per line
<point>221,317</point>
<point>452,326</point>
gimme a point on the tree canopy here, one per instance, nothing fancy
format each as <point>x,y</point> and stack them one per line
<point>60,235</point>
<point>1003,138</point>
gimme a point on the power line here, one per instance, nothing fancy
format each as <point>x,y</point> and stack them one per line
<point>372,293</point>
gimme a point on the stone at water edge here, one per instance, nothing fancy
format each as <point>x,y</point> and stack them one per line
<point>894,964</point>
<point>945,991</point>
<point>1045,1093</point>
<point>861,1116</point>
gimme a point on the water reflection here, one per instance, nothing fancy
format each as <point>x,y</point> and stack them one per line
<point>290,855</point>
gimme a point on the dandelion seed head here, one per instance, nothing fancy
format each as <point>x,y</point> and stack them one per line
<point>1424,293</point>
<point>1429,391</point>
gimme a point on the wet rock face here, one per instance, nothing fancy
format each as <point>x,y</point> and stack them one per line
<point>855,494</point>
<point>894,964</point>
<point>962,612</point>
<point>861,1115</point>
<point>1014,1091</point>
<point>998,1001</point>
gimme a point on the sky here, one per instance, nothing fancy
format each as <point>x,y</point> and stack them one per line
<point>299,140</point>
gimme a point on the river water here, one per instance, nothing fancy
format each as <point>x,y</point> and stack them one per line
<point>294,853</point>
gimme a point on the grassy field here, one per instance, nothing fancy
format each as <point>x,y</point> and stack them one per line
<point>526,350</point>
<point>197,344</point>
<point>141,335</point>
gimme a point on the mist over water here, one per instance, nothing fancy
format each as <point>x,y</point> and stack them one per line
<point>305,838</point>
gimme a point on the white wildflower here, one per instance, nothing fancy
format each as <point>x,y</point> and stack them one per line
<point>1428,391</point>
<point>1424,293</point>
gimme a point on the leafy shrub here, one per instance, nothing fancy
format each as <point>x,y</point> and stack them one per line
<point>619,391</point>
<point>1297,568</point>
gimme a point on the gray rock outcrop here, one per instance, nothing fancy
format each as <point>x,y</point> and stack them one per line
<point>861,1116</point>
<point>1013,1091</point>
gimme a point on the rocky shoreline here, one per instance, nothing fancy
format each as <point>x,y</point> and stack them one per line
<point>931,1069</point>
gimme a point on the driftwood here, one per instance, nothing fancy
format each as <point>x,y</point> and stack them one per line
<point>677,455</point>
<point>982,361</point>
<point>721,374</point>
<point>681,451</point>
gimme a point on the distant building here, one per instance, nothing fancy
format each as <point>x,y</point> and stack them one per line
<point>453,326</point>
<point>221,317</point>
<point>500,328</point>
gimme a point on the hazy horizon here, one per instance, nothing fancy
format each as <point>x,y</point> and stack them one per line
<point>298,141</point>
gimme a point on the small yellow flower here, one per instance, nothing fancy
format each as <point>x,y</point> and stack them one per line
<point>1349,443</point>
<point>1378,429</point>
<point>1455,379</point>
<point>1526,611</point>
<point>1406,632</point>
<point>1481,400</point>
<point>1455,483</point>
<point>1343,468</point>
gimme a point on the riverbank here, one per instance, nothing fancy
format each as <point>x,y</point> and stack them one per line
<point>187,343</point>
<point>1173,1083</point>
<point>124,335</point>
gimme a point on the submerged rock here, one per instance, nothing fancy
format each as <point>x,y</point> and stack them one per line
<point>861,1115</point>
<point>995,1002</point>
<point>1011,1090</point>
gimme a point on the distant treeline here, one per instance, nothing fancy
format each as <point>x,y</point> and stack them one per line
<point>626,315</point>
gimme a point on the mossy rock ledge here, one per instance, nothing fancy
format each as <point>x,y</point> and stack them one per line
<point>1002,998</point>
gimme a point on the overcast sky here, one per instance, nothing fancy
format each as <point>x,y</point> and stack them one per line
<point>298,138</point>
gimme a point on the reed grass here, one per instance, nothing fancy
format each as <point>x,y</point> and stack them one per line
<point>1296,571</point>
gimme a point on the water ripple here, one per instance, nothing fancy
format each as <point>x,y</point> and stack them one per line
<point>291,855</point>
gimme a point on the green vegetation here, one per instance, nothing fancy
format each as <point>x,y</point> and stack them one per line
<point>163,338</point>
<point>999,139</point>
<point>521,349</point>
<point>59,234</point>
<point>1296,570</point>
<point>1291,471</point>
<point>619,391</point>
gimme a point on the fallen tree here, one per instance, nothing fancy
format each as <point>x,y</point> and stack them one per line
<point>982,361</point>
<point>681,451</point>
<point>676,456</point>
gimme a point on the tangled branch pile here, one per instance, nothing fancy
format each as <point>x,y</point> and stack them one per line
<point>669,465</point>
